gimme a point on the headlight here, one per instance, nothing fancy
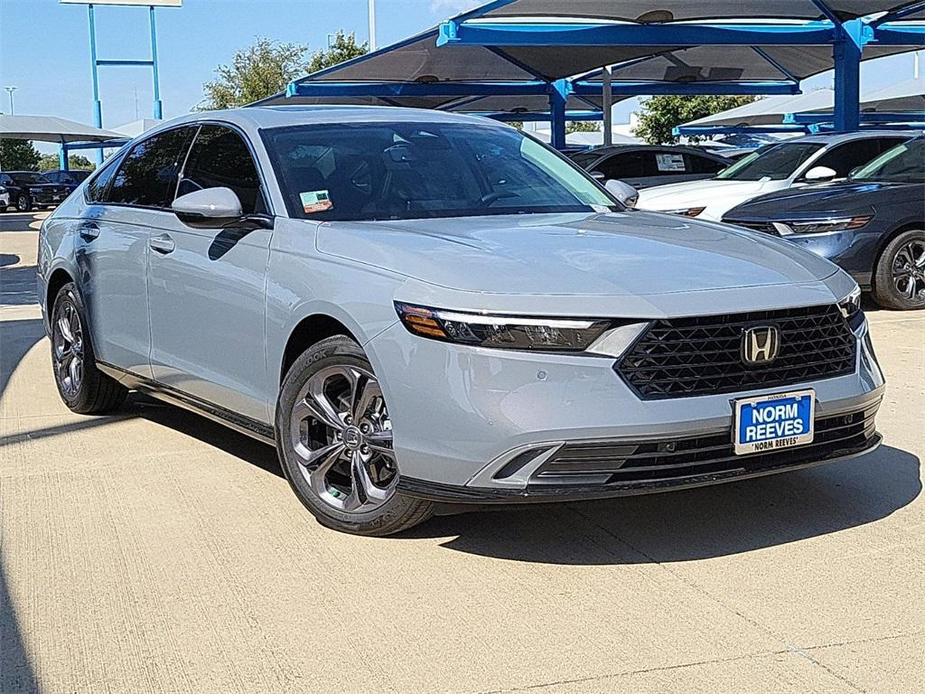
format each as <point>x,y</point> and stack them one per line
<point>686,211</point>
<point>850,308</point>
<point>822,226</point>
<point>603,337</point>
<point>2,190</point>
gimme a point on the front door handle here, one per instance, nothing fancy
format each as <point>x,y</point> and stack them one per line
<point>89,231</point>
<point>162,244</point>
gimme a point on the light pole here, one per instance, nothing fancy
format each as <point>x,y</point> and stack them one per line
<point>372,25</point>
<point>10,90</point>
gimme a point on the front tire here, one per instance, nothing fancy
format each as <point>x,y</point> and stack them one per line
<point>24,203</point>
<point>899,278</point>
<point>83,388</point>
<point>334,441</point>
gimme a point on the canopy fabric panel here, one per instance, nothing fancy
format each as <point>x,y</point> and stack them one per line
<point>768,111</point>
<point>661,11</point>
<point>904,97</point>
<point>405,101</point>
<point>52,129</point>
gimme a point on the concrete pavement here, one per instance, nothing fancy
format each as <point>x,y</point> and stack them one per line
<point>157,552</point>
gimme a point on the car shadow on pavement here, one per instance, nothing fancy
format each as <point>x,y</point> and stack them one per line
<point>693,524</point>
<point>17,337</point>
<point>16,673</point>
<point>17,282</point>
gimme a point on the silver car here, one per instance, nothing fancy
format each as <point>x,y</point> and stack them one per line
<point>423,310</point>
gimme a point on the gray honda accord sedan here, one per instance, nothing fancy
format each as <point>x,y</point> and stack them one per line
<point>423,311</point>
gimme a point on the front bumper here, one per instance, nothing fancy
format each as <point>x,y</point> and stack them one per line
<point>4,200</point>
<point>481,425</point>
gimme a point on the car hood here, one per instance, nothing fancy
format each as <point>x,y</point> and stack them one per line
<point>833,198</point>
<point>697,193</point>
<point>616,254</point>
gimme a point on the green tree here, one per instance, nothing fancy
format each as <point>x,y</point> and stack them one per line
<point>577,126</point>
<point>267,66</point>
<point>18,155</point>
<point>343,47</point>
<point>49,162</point>
<point>662,113</point>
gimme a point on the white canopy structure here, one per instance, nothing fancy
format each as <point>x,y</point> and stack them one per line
<point>52,129</point>
<point>903,97</point>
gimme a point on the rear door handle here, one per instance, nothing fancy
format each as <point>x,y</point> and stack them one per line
<point>163,244</point>
<point>89,231</point>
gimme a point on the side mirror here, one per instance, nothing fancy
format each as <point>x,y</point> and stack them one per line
<point>598,176</point>
<point>209,208</point>
<point>623,192</point>
<point>820,173</point>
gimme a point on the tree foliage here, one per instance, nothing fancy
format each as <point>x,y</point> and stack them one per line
<point>577,126</point>
<point>50,162</point>
<point>18,155</point>
<point>660,114</point>
<point>267,66</point>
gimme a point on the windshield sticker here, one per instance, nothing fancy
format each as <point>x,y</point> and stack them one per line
<point>670,162</point>
<point>315,201</point>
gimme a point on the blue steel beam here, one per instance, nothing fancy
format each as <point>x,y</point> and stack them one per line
<point>881,117</point>
<point>847,53</point>
<point>897,34</point>
<point>900,13</point>
<point>687,130</point>
<point>582,88</point>
<point>108,62</point>
<point>599,34</point>
<point>558,98</point>
<point>533,117</point>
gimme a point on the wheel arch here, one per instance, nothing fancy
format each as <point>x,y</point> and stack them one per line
<point>307,332</point>
<point>887,238</point>
<point>56,280</point>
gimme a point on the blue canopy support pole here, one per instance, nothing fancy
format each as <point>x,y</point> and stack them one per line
<point>94,67</point>
<point>558,96</point>
<point>158,105</point>
<point>847,53</point>
<point>607,106</point>
<point>62,157</point>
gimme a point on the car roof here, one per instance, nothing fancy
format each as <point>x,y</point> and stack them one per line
<point>837,138</point>
<point>283,116</point>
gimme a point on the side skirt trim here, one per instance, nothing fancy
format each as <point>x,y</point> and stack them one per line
<point>245,425</point>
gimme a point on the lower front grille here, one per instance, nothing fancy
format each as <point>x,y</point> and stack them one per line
<point>616,463</point>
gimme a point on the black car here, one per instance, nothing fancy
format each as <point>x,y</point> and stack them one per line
<point>29,189</point>
<point>70,179</point>
<point>872,225</point>
<point>643,166</point>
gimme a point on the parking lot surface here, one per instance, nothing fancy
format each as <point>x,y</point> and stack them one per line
<point>156,551</point>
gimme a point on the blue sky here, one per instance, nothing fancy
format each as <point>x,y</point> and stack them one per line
<point>44,48</point>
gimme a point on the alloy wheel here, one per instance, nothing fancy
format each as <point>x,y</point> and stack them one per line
<point>909,270</point>
<point>67,346</point>
<point>23,204</point>
<point>342,437</point>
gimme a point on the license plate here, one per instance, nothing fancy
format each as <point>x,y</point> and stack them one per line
<point>773,422</point>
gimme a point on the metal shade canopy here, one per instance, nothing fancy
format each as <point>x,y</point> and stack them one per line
<point>661,11</point>
<point>52,129</point>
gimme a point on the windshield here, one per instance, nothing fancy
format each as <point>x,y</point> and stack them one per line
<point>904,163</point>
<point>585,159</point>
<point>26,178</point>
<point>372,171</point>
<point>775,162</point>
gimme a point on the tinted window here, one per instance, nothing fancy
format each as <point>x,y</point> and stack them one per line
<point>585,159</point>
<point>52,176</point>
<point>903,164</point>
<point>96,188</point>
<point>220,158</point>
<point>148,174</point>
<point>366,171</point>
<point>850,155</point>
<point>25,178</point>
<point>776,162</point>
<point>703,165</point>
<point>627,165</point>
<point>5,180</point>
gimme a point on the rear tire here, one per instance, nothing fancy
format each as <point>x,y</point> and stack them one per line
<point>334,443</point>
<point>83,388</point>
<point>899,278</point>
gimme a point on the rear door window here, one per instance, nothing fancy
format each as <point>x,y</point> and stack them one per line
<point>845,157</point>
<point>703,165</point>
<point>626,165</point>
<point>220,158</point>
<point>147,176</point>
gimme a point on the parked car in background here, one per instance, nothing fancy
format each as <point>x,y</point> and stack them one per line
<point>872,225</point>
<point>642,166</point>
<point>796,162</point>
<point>29,189</point>
<point>422,310</point>
<point>4,197</point>
<point>70,178</point>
